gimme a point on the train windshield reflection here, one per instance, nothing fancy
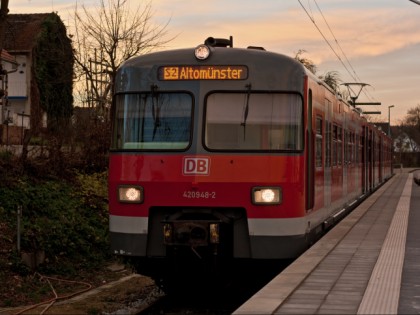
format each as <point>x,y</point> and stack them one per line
<point>254,122</point>
<point>153,121</point>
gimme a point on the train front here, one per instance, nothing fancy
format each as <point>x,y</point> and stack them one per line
<point>207,159</point>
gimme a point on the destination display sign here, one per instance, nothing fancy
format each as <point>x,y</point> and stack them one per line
<point>167,73</point>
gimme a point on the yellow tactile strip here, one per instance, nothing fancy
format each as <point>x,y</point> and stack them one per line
<point>383,290</point>
<point>272,296</point>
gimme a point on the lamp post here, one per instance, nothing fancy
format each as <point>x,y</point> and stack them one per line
<point>389,119</point>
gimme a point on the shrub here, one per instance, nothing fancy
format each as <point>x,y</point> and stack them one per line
<point>68,219</point>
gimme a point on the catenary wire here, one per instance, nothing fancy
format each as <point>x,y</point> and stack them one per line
<point>353,74</point>
<point>342,51</point>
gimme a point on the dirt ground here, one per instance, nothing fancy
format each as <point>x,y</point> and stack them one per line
<point>111,288</point>
<point>128,295</point>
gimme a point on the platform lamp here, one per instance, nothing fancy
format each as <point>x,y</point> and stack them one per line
<point>389,119</point>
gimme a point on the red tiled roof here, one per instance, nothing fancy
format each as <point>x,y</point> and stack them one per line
<point>5,56</point>
<point>21,31</point>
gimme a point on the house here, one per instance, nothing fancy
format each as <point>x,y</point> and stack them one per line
<point>8,65</point>
<point>43,71</point>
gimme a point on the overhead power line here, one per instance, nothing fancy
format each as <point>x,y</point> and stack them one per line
<point>352,73</point>
<point>365,92</point>
<point>326,40</point>
<point>336,41</point>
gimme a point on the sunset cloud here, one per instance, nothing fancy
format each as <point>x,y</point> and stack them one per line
<point>379,37</point>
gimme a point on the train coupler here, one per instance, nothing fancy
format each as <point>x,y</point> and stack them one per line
<point>194,234</point>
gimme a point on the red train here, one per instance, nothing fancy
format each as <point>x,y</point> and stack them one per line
<point>221,153</point>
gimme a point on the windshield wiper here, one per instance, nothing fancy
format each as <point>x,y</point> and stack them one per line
<point>155,109</point>
<point>246,110</point>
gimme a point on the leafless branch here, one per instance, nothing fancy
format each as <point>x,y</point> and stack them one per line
<point>110,35</point>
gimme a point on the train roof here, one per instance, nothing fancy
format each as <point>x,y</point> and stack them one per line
<point>265,70</point>
<point>218,55</point>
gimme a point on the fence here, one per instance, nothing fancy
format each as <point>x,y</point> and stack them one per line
<point>11,134</point>
<point>407,159</point>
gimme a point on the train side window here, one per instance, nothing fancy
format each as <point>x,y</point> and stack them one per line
<point>358,148</point>
<point>334,145</point>
<point>339,145</point>
<point>318,142</point>
<point>346,148</point>
<point>328,144</point>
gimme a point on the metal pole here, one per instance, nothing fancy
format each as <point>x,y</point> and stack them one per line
<point>19,215</point>
<point>21,140</point>
<point>7,129</point>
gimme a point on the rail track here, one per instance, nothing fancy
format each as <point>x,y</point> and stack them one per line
<point>195,297</point>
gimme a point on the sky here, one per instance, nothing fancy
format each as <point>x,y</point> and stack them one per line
<point>376,42</point>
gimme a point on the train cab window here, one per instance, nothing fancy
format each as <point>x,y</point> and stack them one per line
<point>152,121</point>
<point>251,121</point>
<point>318,142</point>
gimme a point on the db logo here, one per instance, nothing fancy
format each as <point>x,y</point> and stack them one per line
<point>196,166</point>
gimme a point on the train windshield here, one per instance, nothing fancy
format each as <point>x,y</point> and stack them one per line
<point>252,121</point>
<point>153,121</point>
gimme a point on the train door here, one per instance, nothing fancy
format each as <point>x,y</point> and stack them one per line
<point>319,160</point>
<point>358,162</point>
<point>350,162</point>
<point>337,163</point>
<point>310,183</point>
<point>374,160</point>
<point>364,159</point>
<point>345,162</point>
<point>370,160</point>
<point>381,159</point>
<point>327,161</point>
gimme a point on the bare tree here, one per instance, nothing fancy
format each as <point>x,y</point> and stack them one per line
<point>106,37</point>
<point>407,134</point>
<point>309,64</point>
<point>413,117</point>
<point>332,79</point>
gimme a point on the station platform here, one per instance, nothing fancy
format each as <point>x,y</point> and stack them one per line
<point>369,263</point>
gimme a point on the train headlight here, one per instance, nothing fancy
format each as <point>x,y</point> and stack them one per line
<point>202,52</point>
<point>130,194</point>
<point>267,195</point>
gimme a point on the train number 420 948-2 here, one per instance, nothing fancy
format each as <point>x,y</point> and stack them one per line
<point>199,194</point>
